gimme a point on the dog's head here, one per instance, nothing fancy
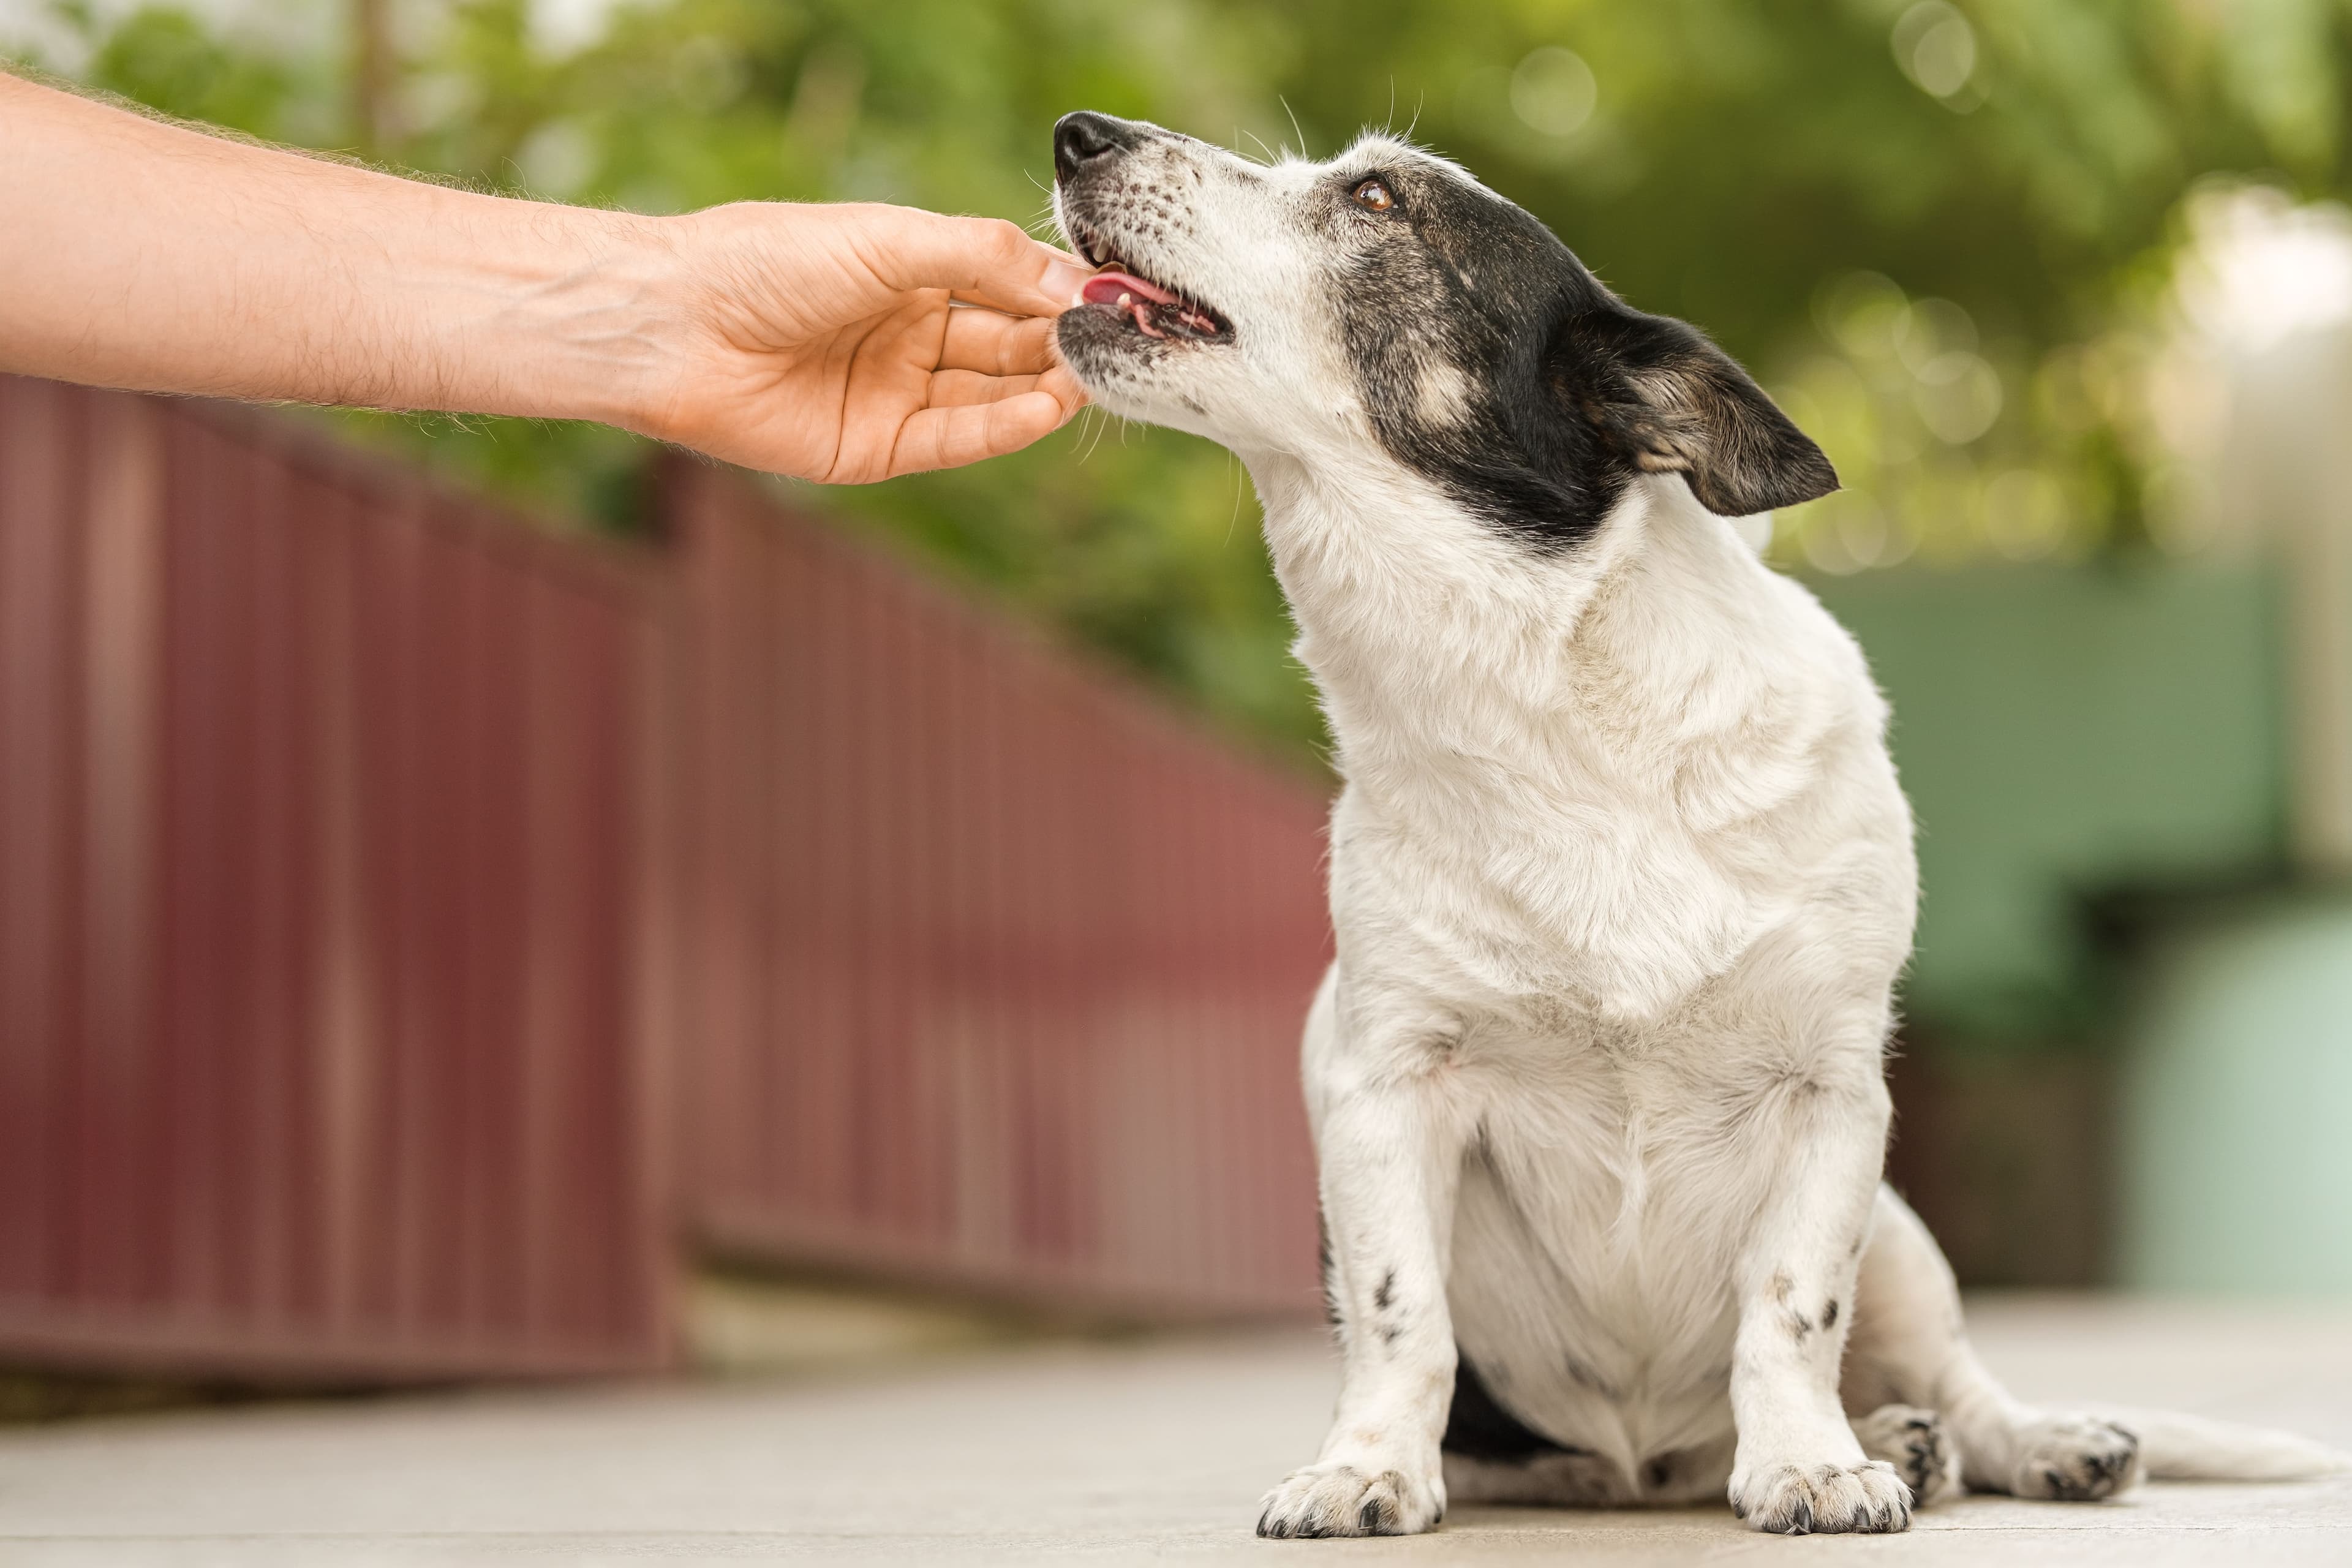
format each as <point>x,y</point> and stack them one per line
<point>1385,307</point>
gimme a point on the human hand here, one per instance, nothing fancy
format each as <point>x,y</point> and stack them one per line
<point>821,341</point>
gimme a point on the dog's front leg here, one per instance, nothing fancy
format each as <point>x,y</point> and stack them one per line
<point>1388,1145</point>
<point>1798,1468</point>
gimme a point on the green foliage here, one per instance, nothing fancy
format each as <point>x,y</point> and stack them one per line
<point>1927,226</point>
<point>168,61</point>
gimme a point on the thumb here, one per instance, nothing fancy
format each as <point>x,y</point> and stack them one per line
<point>985,261</point>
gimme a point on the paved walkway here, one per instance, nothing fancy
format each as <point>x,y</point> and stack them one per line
<point>1154,1452</point>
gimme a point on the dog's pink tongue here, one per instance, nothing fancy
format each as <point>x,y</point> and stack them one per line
<point>1105,288</point>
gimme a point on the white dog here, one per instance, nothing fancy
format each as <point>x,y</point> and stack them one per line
<point>1622,877</point>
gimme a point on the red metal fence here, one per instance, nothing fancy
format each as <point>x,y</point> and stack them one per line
<point>414,928</point>
<point>319,867</point>
<point>994,972</point>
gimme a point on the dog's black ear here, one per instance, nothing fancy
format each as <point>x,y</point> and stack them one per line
<point>1671,401</point>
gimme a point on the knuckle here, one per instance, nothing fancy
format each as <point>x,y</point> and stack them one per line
<point>1003,239</point>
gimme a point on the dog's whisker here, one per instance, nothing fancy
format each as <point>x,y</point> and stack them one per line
<point>1233,467</point>
<point>1101,424</point>
<point>1304,152</point>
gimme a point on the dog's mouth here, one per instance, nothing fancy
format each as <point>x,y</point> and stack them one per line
<point>1141,305</point>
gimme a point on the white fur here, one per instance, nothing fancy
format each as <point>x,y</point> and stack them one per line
<point>1623,881</point>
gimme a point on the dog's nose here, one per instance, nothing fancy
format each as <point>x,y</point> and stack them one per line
<point>1081,138</point>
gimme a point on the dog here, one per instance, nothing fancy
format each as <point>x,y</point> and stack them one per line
<point>1621,874</point>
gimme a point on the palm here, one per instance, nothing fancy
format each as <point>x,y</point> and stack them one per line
<point>831,369</point>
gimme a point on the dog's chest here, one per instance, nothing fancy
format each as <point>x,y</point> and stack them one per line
<point>1553,856</point>
<point>1599,898</point>
<point>1599,1214</point>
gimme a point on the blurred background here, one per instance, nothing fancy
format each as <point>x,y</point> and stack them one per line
<point>480,893</point>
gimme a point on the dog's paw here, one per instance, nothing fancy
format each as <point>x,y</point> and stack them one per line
<point>1919,1447</point>
<point>1868,1499</point>
<point>1344,1499</point>
<point>2075,1458</point>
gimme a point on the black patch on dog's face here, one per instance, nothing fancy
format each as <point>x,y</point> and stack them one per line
<point>1493,362</point>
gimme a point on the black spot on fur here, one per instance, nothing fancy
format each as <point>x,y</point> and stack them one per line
<point>1463,285</point>
<point>1829,1314</point>
<point>1386,1294</point>
<point>1477,1427</point>
<point>1567,392</point>
<point>1586,1375</point>
<point>1323,1268</point>
<point>1799,1325</point>
<point>1659,1471</point>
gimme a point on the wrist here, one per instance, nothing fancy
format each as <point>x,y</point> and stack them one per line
<point>595,329</point>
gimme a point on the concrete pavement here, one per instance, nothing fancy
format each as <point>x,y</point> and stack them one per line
<point>1153,1451</point>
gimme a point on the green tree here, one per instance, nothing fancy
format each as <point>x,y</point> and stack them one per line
<point>1922,222</point>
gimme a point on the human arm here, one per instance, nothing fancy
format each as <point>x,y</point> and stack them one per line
<point>816,340</point>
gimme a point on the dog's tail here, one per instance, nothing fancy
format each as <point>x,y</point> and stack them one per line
<point>2191,1448</point>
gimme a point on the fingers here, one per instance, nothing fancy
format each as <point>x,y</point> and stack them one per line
<point>984,260</point>
<point>950,436</point>
<point>960,388</point>
<point>997,344</point>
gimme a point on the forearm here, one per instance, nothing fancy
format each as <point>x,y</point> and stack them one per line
<point>141,255</point>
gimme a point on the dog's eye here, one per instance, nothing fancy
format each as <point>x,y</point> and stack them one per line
<point>1373,194</point>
